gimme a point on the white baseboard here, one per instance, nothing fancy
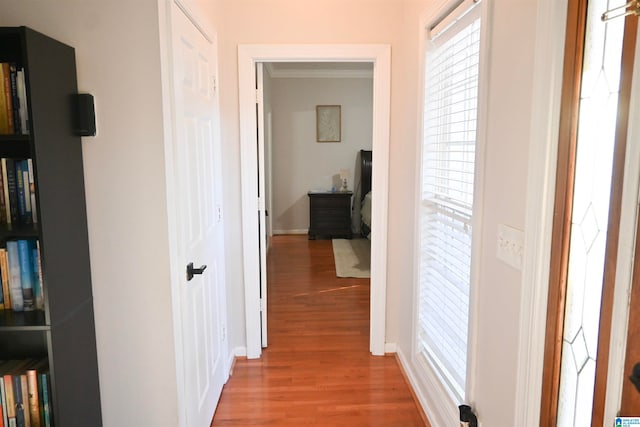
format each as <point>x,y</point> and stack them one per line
<point>391,347</point>
<point>438,411</point>
<point>240,352</point>
<point>294,231</point>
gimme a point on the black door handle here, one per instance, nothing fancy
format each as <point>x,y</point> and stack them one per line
<point>635,376</point>
<point>193,271</point>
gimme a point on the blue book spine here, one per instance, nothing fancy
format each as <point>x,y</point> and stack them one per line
<point>15,287</point>
<point>26,274</point>
<point>38,293</point>
<point>45,400</point>
<point>17,398</point>
<point>15,100</point>
<point>20,187</point>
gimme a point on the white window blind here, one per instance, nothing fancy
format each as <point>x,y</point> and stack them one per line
<point>448,167</point>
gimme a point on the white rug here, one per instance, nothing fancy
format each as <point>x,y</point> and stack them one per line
<point>352,257</point>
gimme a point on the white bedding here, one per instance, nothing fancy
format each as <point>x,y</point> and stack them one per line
<point>365,211</point>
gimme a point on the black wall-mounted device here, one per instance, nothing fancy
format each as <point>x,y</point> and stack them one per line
<point>84,115</point>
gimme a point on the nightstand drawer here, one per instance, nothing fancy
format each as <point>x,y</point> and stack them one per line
<point>330,214</point>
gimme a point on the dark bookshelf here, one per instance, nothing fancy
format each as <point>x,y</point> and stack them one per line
<point>63,332</point>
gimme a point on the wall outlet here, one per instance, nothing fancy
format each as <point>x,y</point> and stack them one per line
<point>510,245</point>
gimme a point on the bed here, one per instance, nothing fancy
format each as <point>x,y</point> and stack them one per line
<point>365,193</point>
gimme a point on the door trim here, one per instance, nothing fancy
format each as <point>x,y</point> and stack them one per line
<point>543,147</point>
<point>380,56</point>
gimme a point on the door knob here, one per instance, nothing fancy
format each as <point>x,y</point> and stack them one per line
<point>635,376</point>
<point>193,271</point>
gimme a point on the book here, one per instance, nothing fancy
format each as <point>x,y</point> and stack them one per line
<point>46,405</point>
<point>20,189</point>
<point>33,396</point>
<point>4,276</point>
<point>15,289</point>
<point>3,206</point>
<point>15,99</point>
<point>4,119</point>
<point>38,292</point>
<point>26,274</point>
<point>32,191</point>
<point>12,189</point>
<point>28,218</point>
<point>17,399</point>
<point>25,399</point>
<point>11,405</point>
<point>2,307</point>
<point>22,96</point>
<point>5,190</point>
<point>3,402</point>
<point>6,71</point>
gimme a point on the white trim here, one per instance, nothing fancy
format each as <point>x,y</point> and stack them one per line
<point>478,202</point>
<point>433,396</point>
<point>626,253</point>
<point>169,120</point>
<point>298,73</point>
<point>439,413</point>
<point>195,18</point>
<point>452,17</point>
<point>294,231</point>
<point>390,348</point>
<point>380,55</point>
<point>543,147</point>
<point>240,352</point>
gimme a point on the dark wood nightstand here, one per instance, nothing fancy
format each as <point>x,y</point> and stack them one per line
<point>330,214</point>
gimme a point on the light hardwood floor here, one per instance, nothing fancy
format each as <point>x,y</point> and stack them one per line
<point>317,369</point>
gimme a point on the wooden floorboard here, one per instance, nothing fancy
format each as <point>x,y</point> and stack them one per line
<point>317,369</point>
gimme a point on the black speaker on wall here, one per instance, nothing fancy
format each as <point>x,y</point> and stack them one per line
<point>84,115</point>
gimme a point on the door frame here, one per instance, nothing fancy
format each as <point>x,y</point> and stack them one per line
<point>380,56</point>
<point>548,63</point>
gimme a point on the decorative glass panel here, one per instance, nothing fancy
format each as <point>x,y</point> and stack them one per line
<point>592,188</point>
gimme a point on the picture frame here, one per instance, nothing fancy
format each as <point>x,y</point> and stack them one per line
<point>328,123</point>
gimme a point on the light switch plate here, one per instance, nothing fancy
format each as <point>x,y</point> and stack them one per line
<point>510,245</point>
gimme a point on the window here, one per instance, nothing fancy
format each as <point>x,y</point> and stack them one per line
<point>446,205</point>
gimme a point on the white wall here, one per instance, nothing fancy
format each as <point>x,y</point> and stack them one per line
<point>282,21</point>
<point>300,163</point>
<point>118,61</point>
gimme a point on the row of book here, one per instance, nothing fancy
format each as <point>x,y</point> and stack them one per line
<point>21,276</point>
<point>25,392</point>
<point>17,192</point>
<point>13,100</point>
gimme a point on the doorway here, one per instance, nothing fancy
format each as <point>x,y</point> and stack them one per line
<point>248,57</point>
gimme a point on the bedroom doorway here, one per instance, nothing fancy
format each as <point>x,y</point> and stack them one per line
<point>249,56</point>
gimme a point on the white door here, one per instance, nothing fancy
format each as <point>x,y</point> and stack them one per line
<point>196,172</point>
<point>262,223</point>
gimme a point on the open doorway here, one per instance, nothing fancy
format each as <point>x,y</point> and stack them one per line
<point>248,57</point>
<point>312,184</point>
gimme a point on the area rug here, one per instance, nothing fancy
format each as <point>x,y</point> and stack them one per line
<point>352,257</point>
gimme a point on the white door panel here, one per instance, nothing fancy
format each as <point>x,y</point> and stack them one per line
<point>197,176</point>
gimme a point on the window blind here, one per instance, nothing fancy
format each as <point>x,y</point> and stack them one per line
<point>448,168</point>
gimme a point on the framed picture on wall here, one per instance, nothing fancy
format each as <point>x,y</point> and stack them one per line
<point>328,125</point>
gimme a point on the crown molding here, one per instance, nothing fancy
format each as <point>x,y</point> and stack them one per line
<point>297,73</point>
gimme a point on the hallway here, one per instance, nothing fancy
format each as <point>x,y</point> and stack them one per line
<point>317,369</point>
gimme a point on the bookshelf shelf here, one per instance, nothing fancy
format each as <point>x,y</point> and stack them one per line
<point>62,332</point>
<point>22,320</point>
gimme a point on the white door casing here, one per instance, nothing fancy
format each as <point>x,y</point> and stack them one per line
<point>262,226</point>
<point>196,229</point>
<point>248,57</point>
